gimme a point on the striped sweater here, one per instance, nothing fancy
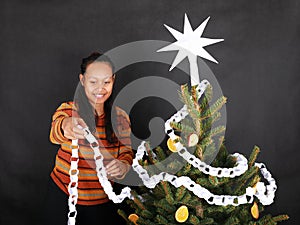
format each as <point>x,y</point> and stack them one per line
<point>90,191</point>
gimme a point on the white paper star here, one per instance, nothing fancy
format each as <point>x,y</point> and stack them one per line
<point>190,44</point>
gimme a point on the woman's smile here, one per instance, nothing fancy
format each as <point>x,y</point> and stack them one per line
<point>99,96</point>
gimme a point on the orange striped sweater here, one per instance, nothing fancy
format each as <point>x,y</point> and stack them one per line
<point>90,191</point>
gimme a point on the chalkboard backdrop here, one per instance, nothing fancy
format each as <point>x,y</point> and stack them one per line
<point>43,42</point>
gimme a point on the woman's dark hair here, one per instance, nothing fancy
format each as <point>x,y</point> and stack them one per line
<point>86,110</point>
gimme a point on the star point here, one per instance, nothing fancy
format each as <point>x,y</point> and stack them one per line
<point>190,43</point>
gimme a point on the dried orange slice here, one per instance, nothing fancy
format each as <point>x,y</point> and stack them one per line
<point>133,218</point>
<point>171,145</point>
<point>255,211</point>
<point>182,214</point>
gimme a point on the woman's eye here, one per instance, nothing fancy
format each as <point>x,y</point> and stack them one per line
<point>107,82</point>
<point>93,82</point>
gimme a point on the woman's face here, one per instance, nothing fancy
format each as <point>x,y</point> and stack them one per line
<point>98,83</point>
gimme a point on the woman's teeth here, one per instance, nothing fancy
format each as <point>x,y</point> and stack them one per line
<point>99,96</point>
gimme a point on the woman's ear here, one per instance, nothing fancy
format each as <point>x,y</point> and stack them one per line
<point>81,78</point>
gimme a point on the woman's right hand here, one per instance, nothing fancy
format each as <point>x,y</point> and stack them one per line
<point>73,128</point>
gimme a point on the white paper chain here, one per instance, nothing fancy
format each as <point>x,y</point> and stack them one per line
<point>101,172</point>
<point>265,194</point>
<point>72,187</point>
<point>239,169</point>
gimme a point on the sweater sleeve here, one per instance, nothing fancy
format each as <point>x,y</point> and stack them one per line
<point>56,132</point>
<point>124,136</point>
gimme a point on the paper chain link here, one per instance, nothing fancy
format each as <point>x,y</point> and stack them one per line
<point>265,193</point>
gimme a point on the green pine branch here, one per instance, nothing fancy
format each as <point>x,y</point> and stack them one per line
<point>215,107</point>
<point>160,153</point>
<point>183,127</point>
<point>280,218</point>
<point>253,156</point>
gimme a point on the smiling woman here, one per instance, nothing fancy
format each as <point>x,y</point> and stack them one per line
<point>92,107</point>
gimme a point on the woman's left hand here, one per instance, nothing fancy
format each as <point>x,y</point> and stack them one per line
<point>116,169</point>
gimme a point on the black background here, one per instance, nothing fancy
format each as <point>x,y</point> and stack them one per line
<point>42,43</point>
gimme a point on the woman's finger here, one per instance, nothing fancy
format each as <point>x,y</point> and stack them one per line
<point>112,168</point>
<point>115,172</point>
<point>79,122</point>
<point>77,130</point>
<point>111,163</point>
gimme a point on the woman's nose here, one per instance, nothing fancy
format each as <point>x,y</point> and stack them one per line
<point>100,86</point>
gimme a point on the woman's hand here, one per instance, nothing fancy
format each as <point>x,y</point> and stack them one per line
<point>73,128</point>
<point>116,169</point>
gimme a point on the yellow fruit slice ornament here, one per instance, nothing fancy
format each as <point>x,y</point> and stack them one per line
<point>182,214</point>
<point>171,145</point>
<point>133,218</point>
<point>255,211</point>
<point>193,139</point>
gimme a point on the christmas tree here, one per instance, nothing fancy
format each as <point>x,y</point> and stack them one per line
<point>230,190</point>
<point>232,201</point>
